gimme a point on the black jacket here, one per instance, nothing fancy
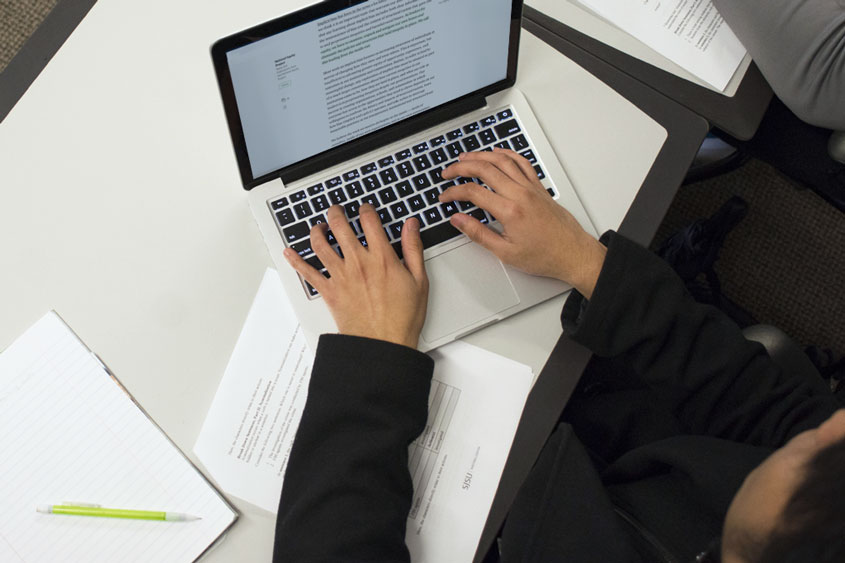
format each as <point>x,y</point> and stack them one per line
<point>672,423</point>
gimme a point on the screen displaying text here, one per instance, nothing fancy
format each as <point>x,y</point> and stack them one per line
<point>324,83</point>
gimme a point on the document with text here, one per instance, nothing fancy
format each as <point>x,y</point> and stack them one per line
<point>691,33</point>
<point>475,404</point>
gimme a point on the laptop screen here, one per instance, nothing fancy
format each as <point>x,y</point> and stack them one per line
<point>331,80</point>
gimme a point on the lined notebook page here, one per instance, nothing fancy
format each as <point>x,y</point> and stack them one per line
<point>68,432</point>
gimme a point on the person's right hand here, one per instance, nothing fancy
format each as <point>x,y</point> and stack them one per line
<point>539,236</point>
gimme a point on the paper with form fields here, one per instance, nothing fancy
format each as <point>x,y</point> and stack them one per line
<point>475,404</point>
<point>69,432</point>
<point>690,33</point>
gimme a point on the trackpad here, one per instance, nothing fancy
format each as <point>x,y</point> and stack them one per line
<point>468,285</point>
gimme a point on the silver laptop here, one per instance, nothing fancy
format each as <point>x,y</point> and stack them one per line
<point>353,101</point>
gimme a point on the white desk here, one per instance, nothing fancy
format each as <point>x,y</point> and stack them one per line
<point>121,206</point>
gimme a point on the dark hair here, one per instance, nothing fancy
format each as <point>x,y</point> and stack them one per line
<point>812,526</point>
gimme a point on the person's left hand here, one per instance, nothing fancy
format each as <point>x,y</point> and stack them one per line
<point>370,293</point>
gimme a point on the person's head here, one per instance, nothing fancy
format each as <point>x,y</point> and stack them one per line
<point>792,507</point>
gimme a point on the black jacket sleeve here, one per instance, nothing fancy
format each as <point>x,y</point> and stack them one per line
<point>347,489</point>
<point>714,380</point>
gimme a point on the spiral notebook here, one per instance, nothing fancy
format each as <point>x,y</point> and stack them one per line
<point>70,432</point>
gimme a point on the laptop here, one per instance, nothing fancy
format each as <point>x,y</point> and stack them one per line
<point>353,101</point>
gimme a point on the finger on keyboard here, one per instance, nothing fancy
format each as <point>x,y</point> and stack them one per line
<point>340,227</point>
<point>371,223</point>
<point>481,197</point>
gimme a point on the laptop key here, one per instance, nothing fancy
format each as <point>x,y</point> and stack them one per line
<point>435,176</point>
<point>320,203</point>
<point>352,209</point>
<point>456,134</point>
<point>369,168</point>
<point>416,203</point>
<point>479,214</point>
<point>438,156</point>
<point>465,205</point>
<point>285,217</point>
<point>354,189</point>
<point>371,182</point>
<point>420,182</point>
<point>418,217</point>
<point>471,128</point>
<point>432,196</point>
<point>388,176</point>
<point>449,208</point>
<point>403,155</point>
<point>395,230</point>
<point>519,143</point>
<point>351,175</point>
<point>437,234</point>
<point>397,248</point>
<point>311,291</point>
<point>333,183</point>
<point>488,121</point>
<point>471,143</point>
<point>298,196</point>
<point>487,136</point>
<point>505,114</point>
<point>278,204</point>
<point>314,190</point>
<point>384,215</point>
<point>454,150</point>
<point>302,210</point>
<point>404,189</point>
<point>437,141</point>
<point>387,195</point>
<point>315,263</point>
<point>386,161</point>
<point>303,248</point>
<point>405,169</point>
<point>529,155</point>
<point>540,173</point>
<point>503,145</point>
<point>399,209</point>
<point>432,215</point>
<point>337,196</point>
<point>371,199</point>
<point>421,147</point>
<point>506,129</point>
<point>551,192</point>
<point>296,231</point>
<point>422,163</point>
<point>317,220</point>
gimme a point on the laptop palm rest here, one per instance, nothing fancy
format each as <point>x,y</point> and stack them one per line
<point>467,286</point>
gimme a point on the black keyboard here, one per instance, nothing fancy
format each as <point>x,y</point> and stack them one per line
<point>399,186</point>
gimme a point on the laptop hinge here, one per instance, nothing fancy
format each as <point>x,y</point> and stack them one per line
<point>380,138</point>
